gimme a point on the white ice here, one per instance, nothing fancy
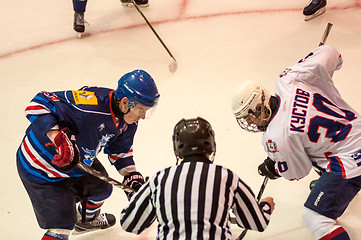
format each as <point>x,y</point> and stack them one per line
<point>217,45</point>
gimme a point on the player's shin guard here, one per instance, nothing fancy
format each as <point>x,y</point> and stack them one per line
<point>323,228</point>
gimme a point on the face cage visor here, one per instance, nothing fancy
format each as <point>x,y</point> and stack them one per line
<point>256,121</point>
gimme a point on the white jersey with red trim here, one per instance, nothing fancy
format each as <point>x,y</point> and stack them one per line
<point>313,125</point>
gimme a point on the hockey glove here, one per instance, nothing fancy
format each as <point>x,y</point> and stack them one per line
<point>68,153</point>
<point>267,169</point>
<point>133,180</point>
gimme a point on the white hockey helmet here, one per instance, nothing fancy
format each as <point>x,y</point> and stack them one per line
<point>250,105</point>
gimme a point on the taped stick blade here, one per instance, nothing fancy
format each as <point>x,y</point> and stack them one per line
<point>325,34</point>
<point>173,66</point>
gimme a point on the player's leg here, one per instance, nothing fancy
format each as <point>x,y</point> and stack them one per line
<point>97,191</point>
<point>79,7</point>
<point>98,221</point>
<point>54,208</point>
<point>314,8</point>
<point>327,201</point>
<point>322,227</point>
<point>94,219</point>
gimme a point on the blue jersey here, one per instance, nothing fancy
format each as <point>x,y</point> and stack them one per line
<point>88,113</point>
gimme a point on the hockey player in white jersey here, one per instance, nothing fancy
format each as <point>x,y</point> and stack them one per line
<point>307,124</point>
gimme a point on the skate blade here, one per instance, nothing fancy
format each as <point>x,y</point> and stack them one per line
<point>130,5</point>
<point>316,14</point>
<point>79,232</point>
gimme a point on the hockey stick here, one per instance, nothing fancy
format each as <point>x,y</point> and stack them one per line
<point>260,193</point>
<point>173,65</point>
<point>104,177</point>
<point>325,34</point>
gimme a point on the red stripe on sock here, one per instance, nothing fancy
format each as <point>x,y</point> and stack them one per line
<point>333,234</point>
<point>48,238</point>
<point>93,206</point>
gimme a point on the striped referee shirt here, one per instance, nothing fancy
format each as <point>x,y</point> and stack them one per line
<point>192,201</point>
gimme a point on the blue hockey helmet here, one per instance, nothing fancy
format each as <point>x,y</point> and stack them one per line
<point>139,87</point>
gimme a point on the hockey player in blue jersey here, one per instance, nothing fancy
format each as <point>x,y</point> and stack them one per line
<point>71,126</point>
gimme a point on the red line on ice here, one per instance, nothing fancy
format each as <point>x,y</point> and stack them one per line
<point>180,17</point>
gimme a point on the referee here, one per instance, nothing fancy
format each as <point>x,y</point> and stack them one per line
<point>192,200</point>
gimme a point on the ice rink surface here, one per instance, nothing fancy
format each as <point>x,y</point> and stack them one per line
<point>217,46</point>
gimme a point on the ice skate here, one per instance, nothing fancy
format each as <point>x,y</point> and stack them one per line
<point>140,3</point>
<point>79,23</point>
<point>100,221</point>
<point>314,8</point>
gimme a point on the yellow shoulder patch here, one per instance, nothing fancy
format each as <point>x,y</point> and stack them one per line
<point>85,97</point>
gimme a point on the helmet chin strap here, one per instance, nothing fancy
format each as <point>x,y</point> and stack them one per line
<point>178,158</point>
<point>211,157</point>
<point>127,111</point>
<point>262,107</point>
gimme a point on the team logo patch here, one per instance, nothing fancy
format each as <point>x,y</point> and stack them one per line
<point>271,146</point>
<point>85,97</point>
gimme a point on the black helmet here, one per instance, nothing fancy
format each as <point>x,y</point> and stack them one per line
<point>193,136</point>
